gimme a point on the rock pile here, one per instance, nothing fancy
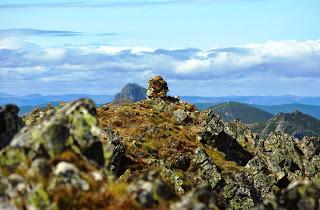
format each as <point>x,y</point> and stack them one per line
<point>157,88</point>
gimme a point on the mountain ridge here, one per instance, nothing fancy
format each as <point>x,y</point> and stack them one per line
<point>230,111</point>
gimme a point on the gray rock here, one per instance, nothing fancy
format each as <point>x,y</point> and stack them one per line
<point>10,124</point>
<point>149,188</point>
<point>200,198</point>
<point>181,117</point>
<point>114,152</point>
<point>206,167</point>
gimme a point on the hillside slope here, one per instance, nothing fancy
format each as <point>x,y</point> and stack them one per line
<point>290,123</point>
<point>286,108</point>
<point>230,111</point>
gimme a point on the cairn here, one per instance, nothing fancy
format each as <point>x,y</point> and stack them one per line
<point>157,88</point>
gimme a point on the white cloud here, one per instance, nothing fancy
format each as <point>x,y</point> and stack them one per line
<point>94,67</point>
<point>11,43</point>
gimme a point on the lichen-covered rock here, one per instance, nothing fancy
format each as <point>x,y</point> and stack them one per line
<point>148,190</point>
<point>226,139</point>
<point>10,123</point>
<point>114,152</point>
<point>157,88</point>
<point>300,195</point>
<point>200,198</point>
<point>180,116</point>
<point>206,168</point>
<point>239,192</point>
<point>73,126</point>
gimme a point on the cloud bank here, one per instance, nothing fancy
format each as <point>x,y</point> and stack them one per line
<point>271,68</point>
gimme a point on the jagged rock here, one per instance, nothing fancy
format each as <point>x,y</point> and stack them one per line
<point>206,167</point>
<point>10,124</point>
<point>310,146</point>
<point>239,191</point>
<point>131,93</point>
<point>300,195</point>
<point>200,198</point>
<point>226,138</point>
<point>73,126</point>
<point>281,154</point>
<point>157,88</point>
<point>114,152</point>
<point>181,116</point>
<point>173,178</point>
<point>149,189</point>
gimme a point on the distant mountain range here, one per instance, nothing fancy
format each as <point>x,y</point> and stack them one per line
<point>133,92</point>
<point>256,100</point>
<point>37,99</point>
<point>307,109</point>
<point>230,111</point>
<point>295,123</point>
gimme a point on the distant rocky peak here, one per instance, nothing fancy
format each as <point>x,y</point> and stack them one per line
<point>131,92</point>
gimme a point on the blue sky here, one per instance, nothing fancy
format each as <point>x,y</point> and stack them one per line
<point>226,47</point>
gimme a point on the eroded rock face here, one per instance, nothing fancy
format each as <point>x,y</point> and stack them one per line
<point>157,88</point>
<point>270,165</point>
<point>10,123</point>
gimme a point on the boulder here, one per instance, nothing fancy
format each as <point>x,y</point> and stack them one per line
<point>10,124</point>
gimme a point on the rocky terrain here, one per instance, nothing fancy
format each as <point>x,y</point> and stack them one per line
<point>230,111</point>
<point>159,153</point>
<point>294,123</point>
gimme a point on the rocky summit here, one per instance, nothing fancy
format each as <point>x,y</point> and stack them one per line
<point>157,153</point>
<point>130,93</point>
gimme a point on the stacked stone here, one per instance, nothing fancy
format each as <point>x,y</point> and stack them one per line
<point>157,88</point>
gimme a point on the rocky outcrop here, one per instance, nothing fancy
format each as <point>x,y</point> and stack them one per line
<point>74,127</point>
<point>296,124</point>
<point>131,93</point>
<point>299,195</point>
<point>10,123</point>
<point>149,189</point>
